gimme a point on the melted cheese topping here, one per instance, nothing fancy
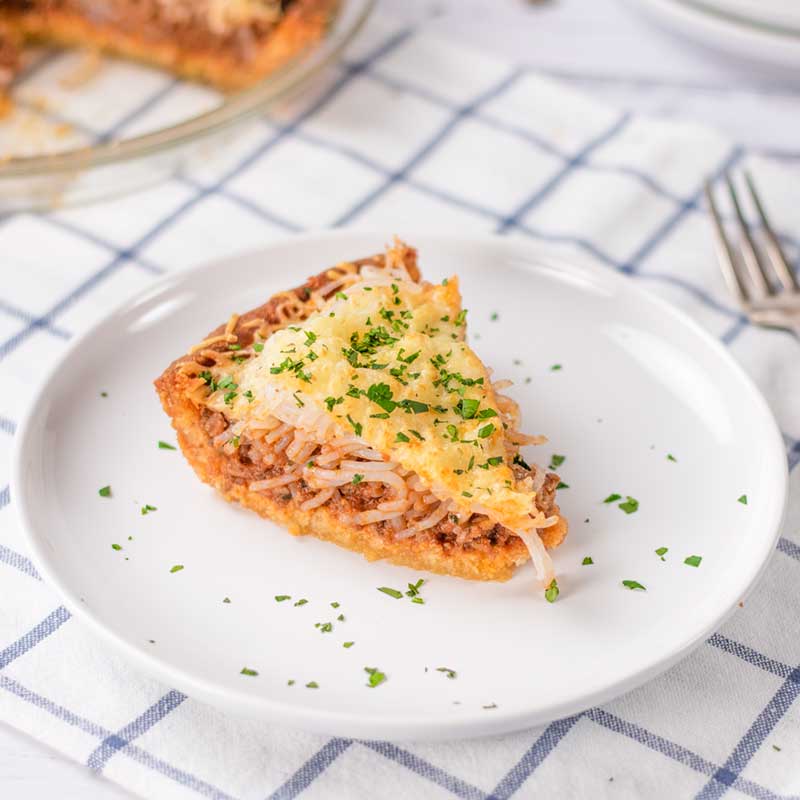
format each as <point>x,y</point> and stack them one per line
<point>387,361</point>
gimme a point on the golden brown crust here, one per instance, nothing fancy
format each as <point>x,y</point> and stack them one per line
<point>175,388</point>
<point>303,25</point>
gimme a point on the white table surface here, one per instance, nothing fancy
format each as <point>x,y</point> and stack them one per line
<point>611,51</point>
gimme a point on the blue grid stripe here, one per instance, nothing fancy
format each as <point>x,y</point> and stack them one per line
<point>749,655</point>
<point>93,729</point>
<point>456,786</point>
<point>5,496</point>
<point>49,625</point>
<point>14,559</point>
<point>750,743</point>
<point>119,741</point>
<point>549,739</point>
<point>7,426</point>
<point>432,144</point>
<point>789,548</point>
<point>311,769</point>
<point>580,158</point>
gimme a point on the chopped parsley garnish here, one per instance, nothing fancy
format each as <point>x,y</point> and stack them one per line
<point>301,602</point>
<point>466,494</point>
<point>630,505</point>
<point>330,402</point>
<point>290,682</point>
<point>381,395</point>
<point>587,561</point>
<point>466,407</point>
<point>413,588</point>
<point>258,346</point>
<point>166,446</point>
<point>451,673</point>
<point>555,368</point>
<point>357,478</point>
<point>551,592</point>
<point>297,400</point>
<point>661,552</point>
<point>556,461</point>
<point>494,316</point>
<point>247,671</point>
<point>226,599</point>
<point>414,406</point>
<point>340,618</point>
<point>485,413</point>
<point>116,547</point>
<point>148,509</point>
<point>357,427</point>
<point>391,592</point>
<point>693,561</point>
<point>562,485</point>
<point>348,645</point>
<point>325,627</point>
<point>486,431</point>
<point>340,296</point>
<point>334,604</point>
<point>493,461</point>
<point>376,677</point>
<point>417,434</point>
<point>249,395</point>
<point>743,499</point>
<point>671,457</point>
<point>103,394</point>
<point>311,337</point>
<point>234,347</point>
<point>105,491</point>
<point>634,585</point>
<point>401,437</point>
<point>313,684</point>
<point>612,498</point>
<point>279,598</point>
<point>176,568</point>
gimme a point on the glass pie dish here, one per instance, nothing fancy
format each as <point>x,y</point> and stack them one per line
<point>83,126</point>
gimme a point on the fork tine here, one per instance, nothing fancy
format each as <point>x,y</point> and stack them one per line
<point>774,251</point>
<point>755,269</point>
<point>727,261</point>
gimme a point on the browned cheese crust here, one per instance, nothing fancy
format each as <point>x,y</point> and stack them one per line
<point>208,59</point>
<point>177,388</point>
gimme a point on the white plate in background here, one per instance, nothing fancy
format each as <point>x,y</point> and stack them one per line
<point>706,23</point>
<point>638,381</point>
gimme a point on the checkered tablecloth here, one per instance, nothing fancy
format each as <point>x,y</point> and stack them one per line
<point>409,133</point>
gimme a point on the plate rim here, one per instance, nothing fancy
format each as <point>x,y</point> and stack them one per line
<point>726,33</point>
<point>365,725</point>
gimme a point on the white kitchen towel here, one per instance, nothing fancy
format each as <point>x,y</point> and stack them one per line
<point>410,133</point>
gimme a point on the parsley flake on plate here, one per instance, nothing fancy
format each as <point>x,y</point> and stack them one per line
<point>630,505</point>
<point>376,677</point>
<point>312,685</point>
<point>562,485</point>
<point>555,368</point>
<point>556,461</point>
<point>247,671</point>
<point>743,499</point>
<point>634,585</point>
<point>551,592</point>
<point>301,602</point>
<point>226,599</point>
<point>693,561</point>
<point>671,457</point>
<point>176,568</point>
<point>348,645</point>
<point>451,673</point>
<point>279,598</point>
<point>116,547</point>
<point>166,446</point>
<point>391,592</point>
<point>587,561</point>
<point>612,498</point>
<point>105,491</point>
<point>661,552</point>
<point>148,509</point>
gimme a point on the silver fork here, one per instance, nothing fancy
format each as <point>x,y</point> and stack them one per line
<point>760,278</point>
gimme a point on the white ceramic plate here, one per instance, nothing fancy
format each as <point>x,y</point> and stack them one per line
<point>778,14</point>
<point>730,32</point>
<point>638,381</point>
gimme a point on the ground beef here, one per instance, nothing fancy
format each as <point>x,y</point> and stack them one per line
<point>243,466</point>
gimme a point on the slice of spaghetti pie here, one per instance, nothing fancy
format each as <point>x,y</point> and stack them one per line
<point>352,409</point>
